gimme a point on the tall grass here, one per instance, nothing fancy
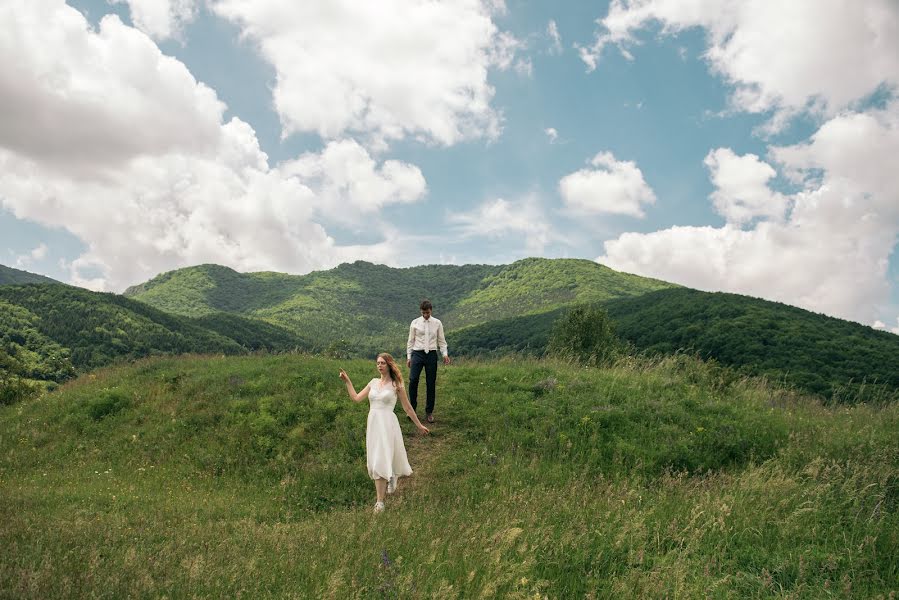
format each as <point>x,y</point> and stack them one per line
<point>228,477</point>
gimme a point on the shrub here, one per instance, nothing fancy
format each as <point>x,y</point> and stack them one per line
<point>586,334</point>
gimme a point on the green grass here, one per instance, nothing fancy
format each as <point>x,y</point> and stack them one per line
<point>245,476</point>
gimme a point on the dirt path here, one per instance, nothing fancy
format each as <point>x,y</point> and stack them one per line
<point>424,453</point>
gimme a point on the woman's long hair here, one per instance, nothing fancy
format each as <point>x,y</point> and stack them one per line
<point>393,369</point>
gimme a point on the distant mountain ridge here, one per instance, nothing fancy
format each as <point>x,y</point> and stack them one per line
<point>11,276</point>
<point>369,306</point>
<point>361,308</point>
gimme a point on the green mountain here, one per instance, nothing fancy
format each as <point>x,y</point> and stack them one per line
<point>52,331</point>
<point>369,306</point>
<point>8,276</point>
<point>205,477</point>
<point>837,359</point>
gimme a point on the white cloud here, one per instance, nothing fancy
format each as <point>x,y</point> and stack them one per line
<point>500,218</point>
<point>612,186</point>
<point>782,56</point>
<point>348,182</point>
<point>39,252</point>
<point>87,100</point>
<point>552,134</point>
<point>173,185</point>
<point>552,30</point>
<point>742,192</point>
<point>161,19</point>
<point>386,70</point>
<point>830,254</point>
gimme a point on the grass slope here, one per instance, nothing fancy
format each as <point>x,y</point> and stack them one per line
<point>10,276</point>
<point>245,476</point>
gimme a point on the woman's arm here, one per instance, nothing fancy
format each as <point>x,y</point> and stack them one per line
<point>401,391</point>
<point>351,390</point>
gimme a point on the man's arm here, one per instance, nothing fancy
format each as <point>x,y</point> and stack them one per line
<point>441,343</point>
<point>410,341</point>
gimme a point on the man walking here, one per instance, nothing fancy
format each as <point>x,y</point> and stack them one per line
<point>425,338</point>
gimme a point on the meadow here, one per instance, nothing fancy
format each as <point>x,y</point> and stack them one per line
<point>213,476</point>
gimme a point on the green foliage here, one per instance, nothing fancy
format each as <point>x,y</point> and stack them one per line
<point>245,476</point>
<point>586,335</point>
<point>14,386</point>
<point>108,402</point>
<point>839,360</point>
<point>526,335</point>
<point>54,330</point>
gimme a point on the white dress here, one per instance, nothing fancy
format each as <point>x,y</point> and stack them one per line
<point>386,454</point>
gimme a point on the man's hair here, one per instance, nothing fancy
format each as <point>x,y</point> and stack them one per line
<point>426,305</point>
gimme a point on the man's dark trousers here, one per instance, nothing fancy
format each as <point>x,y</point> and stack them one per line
<point>428,361</point>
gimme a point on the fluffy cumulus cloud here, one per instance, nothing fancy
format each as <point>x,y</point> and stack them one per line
<point>742,191</point>
<point>781,56</point>
<point>349,182</point>
<point>84,100</point>
<point>828,254</point>
<point>499,219</point>
<point>129,153</point>
<point>608,186</point>
<point>161,19</point>
<point>383,70</point>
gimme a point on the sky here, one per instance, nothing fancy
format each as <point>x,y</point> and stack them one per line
<point>747,146</point>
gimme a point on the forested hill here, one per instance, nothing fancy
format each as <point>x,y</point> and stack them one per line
<point>8,275</point>
<point>369,306</point>
<point>815,352</point>
<point>836,359</point>
<point>48,332</point>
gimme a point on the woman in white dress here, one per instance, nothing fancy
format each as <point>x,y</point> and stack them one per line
<point>384,449</point>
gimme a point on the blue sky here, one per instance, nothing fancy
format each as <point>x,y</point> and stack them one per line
<point>724,145</point>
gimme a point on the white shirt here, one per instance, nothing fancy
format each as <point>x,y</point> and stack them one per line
<point>426,335</point>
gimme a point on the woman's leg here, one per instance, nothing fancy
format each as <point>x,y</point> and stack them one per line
<point>381,489</point>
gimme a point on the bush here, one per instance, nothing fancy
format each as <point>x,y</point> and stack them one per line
<point>106,404</point>
<point>586,335</point>
<point>13,389</point>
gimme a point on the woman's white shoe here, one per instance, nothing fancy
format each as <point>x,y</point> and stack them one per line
<point>391,485</point>
<point>379,507</point>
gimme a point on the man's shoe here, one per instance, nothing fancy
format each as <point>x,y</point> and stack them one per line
<point>430,418</point>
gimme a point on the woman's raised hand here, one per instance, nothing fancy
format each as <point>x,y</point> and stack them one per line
<point>344,376</point>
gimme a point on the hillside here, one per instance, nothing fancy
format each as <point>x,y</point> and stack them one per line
<point>245,477</point>
<point>10,276</point>
<point>53,330</point>
<point>370,306</point>
<point>839,360</point>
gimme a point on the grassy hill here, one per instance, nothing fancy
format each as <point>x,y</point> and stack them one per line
<point>52,331</point>
<point>370,306</point>
<point>10,276</point>
<point>245,476</point>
